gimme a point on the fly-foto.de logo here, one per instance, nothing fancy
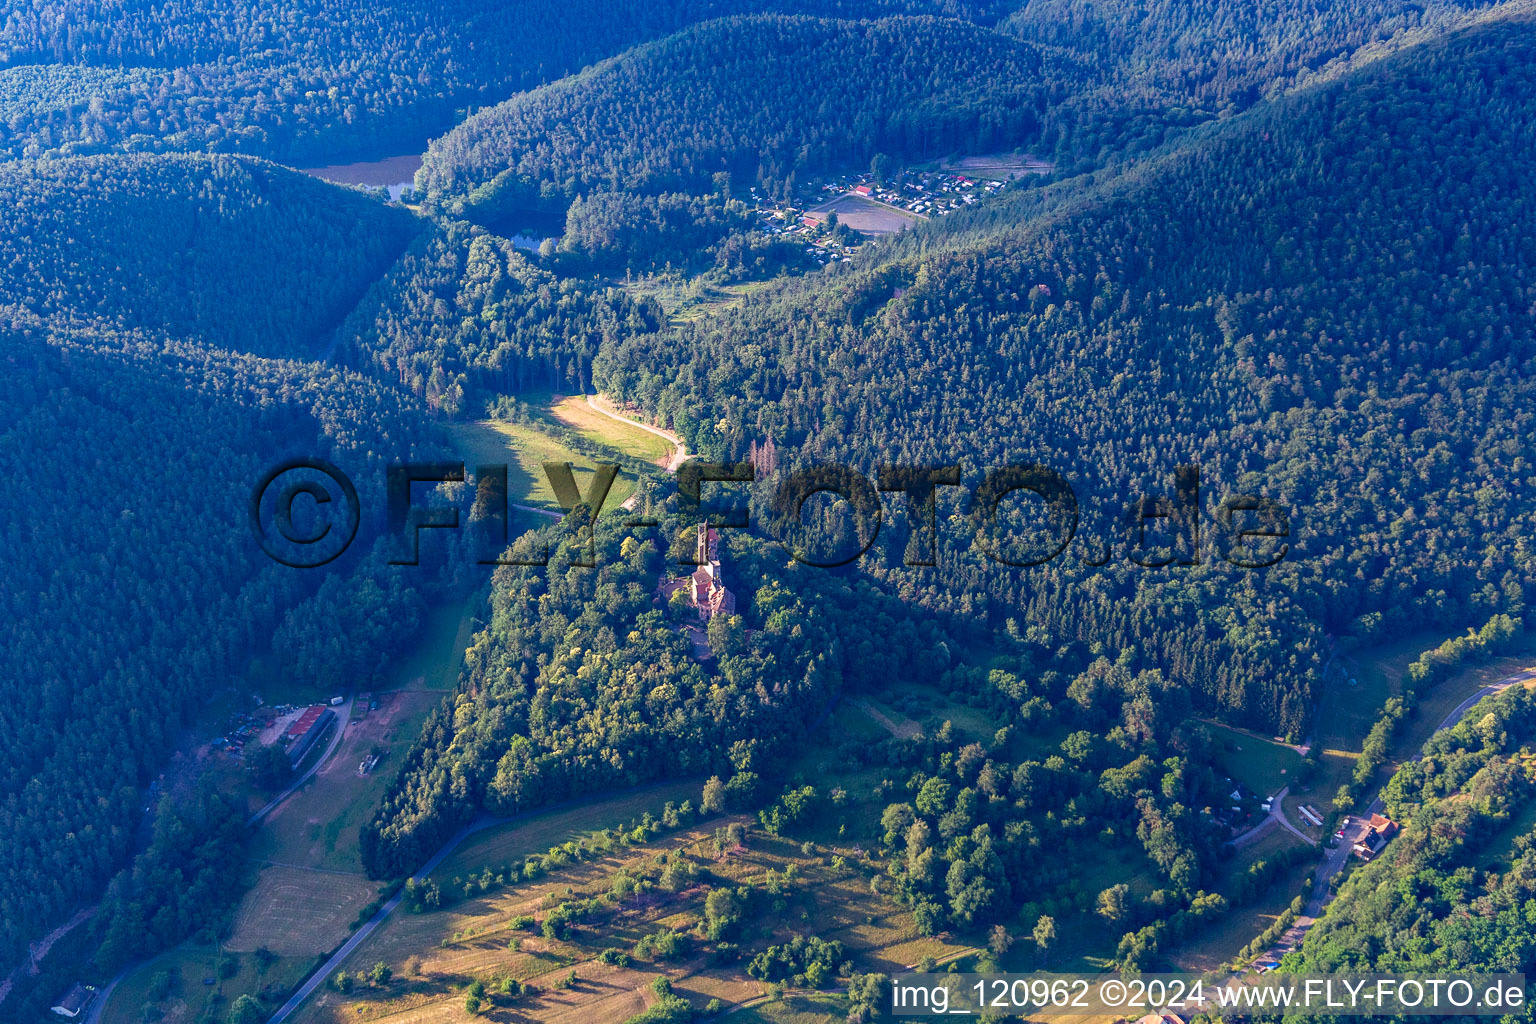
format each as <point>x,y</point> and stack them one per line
<point>305,512</point>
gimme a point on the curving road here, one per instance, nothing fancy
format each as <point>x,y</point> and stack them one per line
<point>679,455</point>
<point>343,719</point>
<point>1276,816</point>
<point>1335,859</point>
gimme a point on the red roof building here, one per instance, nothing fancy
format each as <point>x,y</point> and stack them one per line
<point>301,724</point>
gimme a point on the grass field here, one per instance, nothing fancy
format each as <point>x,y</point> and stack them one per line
<point>1347,713</point>
<point>318,826</point>
<point>930,709</point>
<point>1218,943</point>
<point>573,413</point>
<point>687,300</point>
<point>190,998</point>
<point>1438,702</point>
<point>865,215</point>
<point>891,723</point>
<point>1352,702</point>
<point>1002,166</point>
<point>849,718</point>
<point>538,832</point>
<point>310,885</point>
<point>1501,844</point>
<point>794,1008</point>
<point>1260,764</point>
<point>434,660</point>
<point>524,450</point>
<point>298,912</point>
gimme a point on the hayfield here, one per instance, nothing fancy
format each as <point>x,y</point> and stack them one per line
<point>189,999</point>
<point>523,450</point>
<point>573,413</point>
<point>294,912</point>
<point>536,833</point>
<point>794,1008</point>
<point>1218,942</point>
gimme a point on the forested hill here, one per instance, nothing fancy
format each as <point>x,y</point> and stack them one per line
<point>1322,301</point>
<point>1222,53</point>
<point>762,97</point>
<point>314,80</point>
<point>463,316</point>
<point>131,592</point>
<point>244,254</point>
<point>139,299</point>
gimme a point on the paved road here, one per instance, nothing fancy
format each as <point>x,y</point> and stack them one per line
<point>1335,859</point>
<point>331,966</point>
<point>679,455</point>
<point>1276,816</point>
<point>343,719</point>
<point>485,821</point>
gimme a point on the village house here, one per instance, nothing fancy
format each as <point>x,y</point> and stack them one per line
<point>73,1003</point>
<point>1377,833</point>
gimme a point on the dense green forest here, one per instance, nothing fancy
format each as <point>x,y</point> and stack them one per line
<point>1304,264</point>
<point>240,253</point>
<point>669,115</point>
<point>616,230</point>
<point>1221,54</point>
<point>310,81</point>
<point>582,682</point>
<point>133,590</point>
<point>1319,303</point>
<point>135,427</point>
<point>186,881</point>
<point>463,314</point>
